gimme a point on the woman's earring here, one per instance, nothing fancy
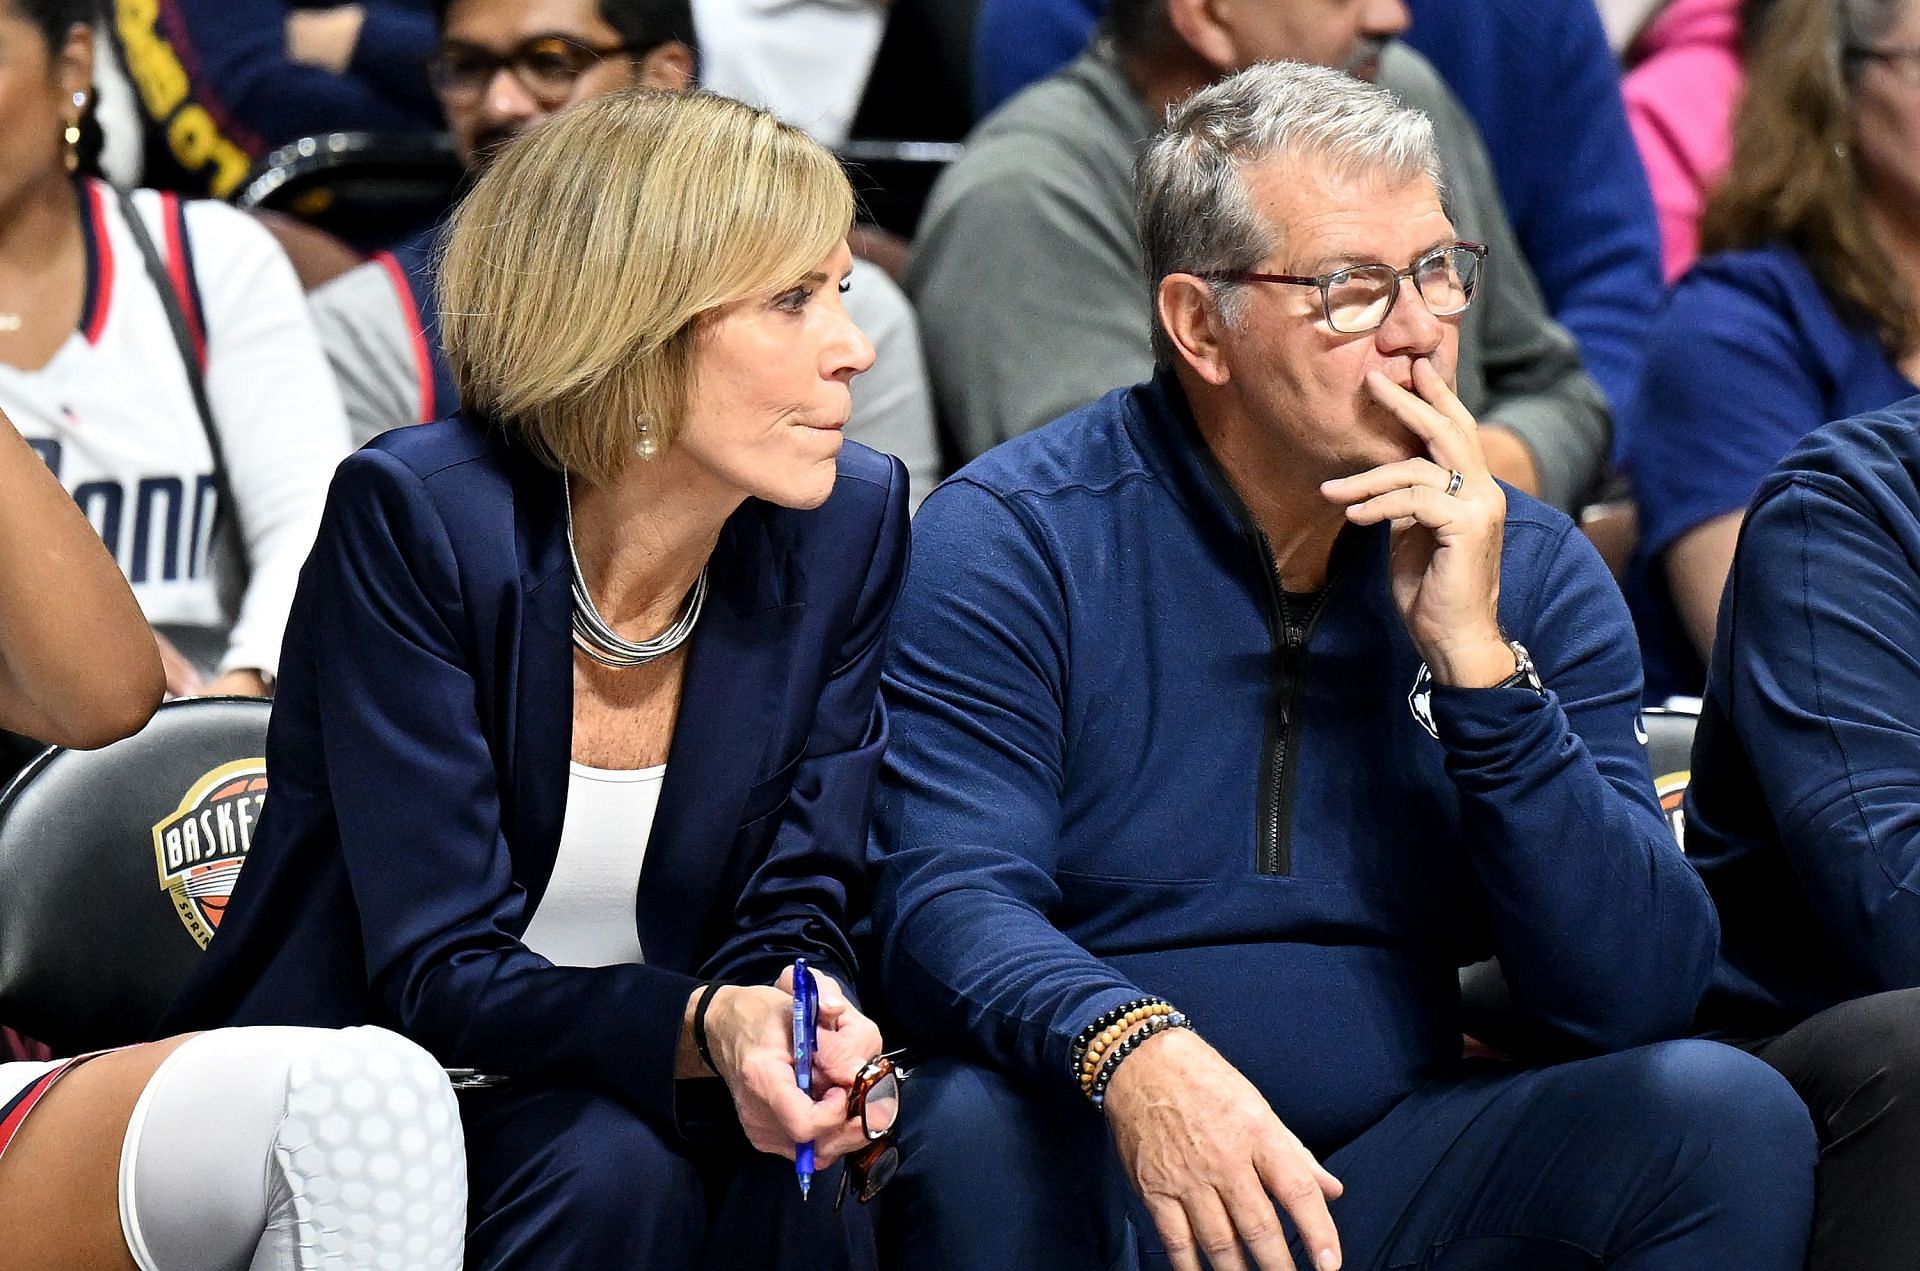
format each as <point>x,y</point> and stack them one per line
<point>648,446</point>
<point>72,134</point>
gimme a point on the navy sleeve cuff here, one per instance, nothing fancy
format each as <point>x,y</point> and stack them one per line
<point>1492,727</point>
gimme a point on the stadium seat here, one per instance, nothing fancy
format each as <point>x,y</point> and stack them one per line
<point>1670,731</point>
<point>1488,1014</point>
<point>894,178</point>
<point>115,866</point>
<point>369,189</point>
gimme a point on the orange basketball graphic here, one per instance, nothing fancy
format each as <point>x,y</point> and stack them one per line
<point>202,845</point>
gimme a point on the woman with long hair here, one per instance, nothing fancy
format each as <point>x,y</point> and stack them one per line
<point>1802,309</point>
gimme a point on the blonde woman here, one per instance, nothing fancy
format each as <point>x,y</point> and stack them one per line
<point>578,720</point>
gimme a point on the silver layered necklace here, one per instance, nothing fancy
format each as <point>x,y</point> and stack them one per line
<point>592,634</point>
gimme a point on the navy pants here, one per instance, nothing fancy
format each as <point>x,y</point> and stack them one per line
<point>563,1178</point>
<point>1676,1157</point>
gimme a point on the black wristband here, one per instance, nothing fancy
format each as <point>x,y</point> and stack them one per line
<point>700,1025</point>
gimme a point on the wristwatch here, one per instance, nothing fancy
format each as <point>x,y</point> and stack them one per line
<point>1525,675</point>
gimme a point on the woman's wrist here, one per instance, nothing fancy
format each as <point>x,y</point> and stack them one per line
<point>692,1059</point>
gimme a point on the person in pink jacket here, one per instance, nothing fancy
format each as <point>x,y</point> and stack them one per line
<point>1684,83</point>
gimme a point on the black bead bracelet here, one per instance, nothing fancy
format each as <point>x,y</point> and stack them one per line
<point>1150,1028</point>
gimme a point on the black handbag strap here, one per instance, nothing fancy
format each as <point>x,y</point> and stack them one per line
<point>170,300</point>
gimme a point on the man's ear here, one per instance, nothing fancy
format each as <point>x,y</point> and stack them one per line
<point>668,68</point>
<point>1193,324</point>
<point>1199,26</point>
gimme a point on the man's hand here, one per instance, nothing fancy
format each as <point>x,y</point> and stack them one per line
<point>1209,1158</point>
<point>1446,547</point>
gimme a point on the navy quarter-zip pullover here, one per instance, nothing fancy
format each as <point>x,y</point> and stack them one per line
<point>1123,762</point>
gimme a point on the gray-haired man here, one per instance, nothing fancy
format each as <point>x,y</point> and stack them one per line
<point>1026,271</point>
<point>1248,699</point>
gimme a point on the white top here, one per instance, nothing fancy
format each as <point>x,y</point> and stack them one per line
<point>113,415</point>
<point>17,1075</point>
<point>587,916</point>
<point>807,61</point>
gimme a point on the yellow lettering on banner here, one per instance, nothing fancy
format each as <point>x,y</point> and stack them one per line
<point>195,140</point>
<point>155,69</point>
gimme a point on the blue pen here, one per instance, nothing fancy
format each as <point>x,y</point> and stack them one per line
<point>806,1019</point>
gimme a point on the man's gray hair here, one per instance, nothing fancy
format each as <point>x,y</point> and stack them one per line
<point>1191,206</point>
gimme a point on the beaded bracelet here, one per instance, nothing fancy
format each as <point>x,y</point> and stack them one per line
<point>1112,1035</point>
<point>1108,1028</point>
<point>1152,1028</point>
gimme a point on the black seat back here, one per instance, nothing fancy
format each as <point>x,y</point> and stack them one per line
<point>1670,732</point>
<point>115,866</point>
<point>369,189</point>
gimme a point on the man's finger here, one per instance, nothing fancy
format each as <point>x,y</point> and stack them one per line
<point>1422,503</point>
<point>1213,1231</point>
<point>1176,1234</point>
<point>1450,446</point>
<point>1391,476</point>
<point>1258,1223</point>
<point>1433,389</point>
<point>1292,1177</point>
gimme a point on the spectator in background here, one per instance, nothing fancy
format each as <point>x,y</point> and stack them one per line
<point>1681,93</point>
<point>1800,817</point>
<point>1569,175</point>
<point>1565,165</point>
<point>222,82</point>
<point>502,67</point>
<point>1803,311</point>
<point>1026,270</point>
<point>807,61</point>
<point>104,382</point>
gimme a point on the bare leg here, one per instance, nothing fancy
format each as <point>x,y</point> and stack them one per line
<point>59,1181</point>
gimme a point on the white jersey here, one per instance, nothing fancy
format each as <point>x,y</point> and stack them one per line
<point>113,414</point>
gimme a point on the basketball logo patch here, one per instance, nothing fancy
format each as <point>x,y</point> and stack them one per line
<point>1672,790</point>
<point>201,846</point>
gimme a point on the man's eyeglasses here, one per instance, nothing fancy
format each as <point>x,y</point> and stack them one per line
<point>876,1099</point>
<point>547,66</point>
<point>1358,298</point>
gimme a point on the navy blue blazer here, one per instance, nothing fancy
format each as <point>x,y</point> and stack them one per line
<point>419,749</point>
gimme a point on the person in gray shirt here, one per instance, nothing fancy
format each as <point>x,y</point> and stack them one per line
<point>502,68</point>
<point>1027,270</point>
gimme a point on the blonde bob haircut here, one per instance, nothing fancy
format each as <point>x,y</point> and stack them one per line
<point>576,274</point>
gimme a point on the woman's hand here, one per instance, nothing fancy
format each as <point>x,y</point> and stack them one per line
<point>749,1031</point>
<point>848,1039</point>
